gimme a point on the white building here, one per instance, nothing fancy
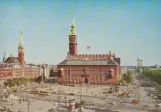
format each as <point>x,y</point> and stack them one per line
<point>46,70</point>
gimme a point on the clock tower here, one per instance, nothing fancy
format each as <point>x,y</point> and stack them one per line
<point>73,40</point>
<point>21,50</point>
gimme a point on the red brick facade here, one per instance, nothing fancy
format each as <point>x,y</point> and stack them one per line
<point>94,74</point>
<point>21,55</point>
<point>72,44</point>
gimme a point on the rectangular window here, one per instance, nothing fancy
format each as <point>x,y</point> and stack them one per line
<point>92,77</point>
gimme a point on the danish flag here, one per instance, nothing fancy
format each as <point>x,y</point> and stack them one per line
<point>88,47</point>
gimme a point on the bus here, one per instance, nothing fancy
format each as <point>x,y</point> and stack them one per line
<point>39,92</point>
<point>44,93</point>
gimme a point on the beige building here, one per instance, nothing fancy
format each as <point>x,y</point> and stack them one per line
<point>16,67</point>
<point>13,70</point>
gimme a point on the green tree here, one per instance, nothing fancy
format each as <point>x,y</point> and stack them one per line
<point>154,75</point>
<point>128,77</point>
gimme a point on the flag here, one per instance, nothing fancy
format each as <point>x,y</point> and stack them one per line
<point>88,47</point>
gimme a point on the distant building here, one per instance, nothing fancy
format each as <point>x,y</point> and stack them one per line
<point>123,70</point>
<point>16,67</point>
<point>130,67</point>
<point>156,66</point>
<point>46,70</point>
<point>139,62</point>
<point>53,71</point>
<point>91,68</point>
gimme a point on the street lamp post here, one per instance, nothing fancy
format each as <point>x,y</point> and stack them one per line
<point>28,105</point>
<point>81,98</point>
<point>65,100</point>
<point>42,76</point>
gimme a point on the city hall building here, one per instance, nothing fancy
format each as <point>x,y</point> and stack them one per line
<point>87,68</point>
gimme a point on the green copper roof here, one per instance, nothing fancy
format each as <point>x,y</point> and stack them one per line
<point>20,44</point>
<point>73,23</point>
<point>73,28</point>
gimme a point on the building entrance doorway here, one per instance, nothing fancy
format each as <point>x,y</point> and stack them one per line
<point>86,80</point>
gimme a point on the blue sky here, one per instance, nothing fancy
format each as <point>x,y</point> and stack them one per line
<point>129,28</point>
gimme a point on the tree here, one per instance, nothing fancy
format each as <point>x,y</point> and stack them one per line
<point>128,78</point>
<point>83,102</point>
<point>16,81</point>
<point>39,79</point>
<point>154,75</point>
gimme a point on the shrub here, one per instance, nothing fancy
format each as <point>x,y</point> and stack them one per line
<point>83,102</point>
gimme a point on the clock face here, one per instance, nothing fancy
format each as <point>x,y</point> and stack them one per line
<point>71,39</point>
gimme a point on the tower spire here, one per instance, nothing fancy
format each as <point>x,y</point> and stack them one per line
<point>21,50</point>
<point>73,28</point>
<point>20,44</point>
<point>73,23</point>
<point>4,57</point>
<point>73,39</point>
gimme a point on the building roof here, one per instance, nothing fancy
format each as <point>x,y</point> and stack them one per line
<point>117,60</point>
<point>73,28</point>
<point>20,44</point>
<point>10,65</point>
<point>16,65</point>
<point>73,23</point>
<point>12,60</point>
<point>88,62</point>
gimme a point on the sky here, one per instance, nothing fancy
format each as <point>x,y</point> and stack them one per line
<point>129,28</point>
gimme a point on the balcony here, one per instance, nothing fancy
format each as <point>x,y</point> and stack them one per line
<point>85,75</point>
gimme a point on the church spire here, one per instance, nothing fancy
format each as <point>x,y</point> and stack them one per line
<point>20,44</point>
<point>73,23</point>
<point>4,57</point>
<point>73,28</point>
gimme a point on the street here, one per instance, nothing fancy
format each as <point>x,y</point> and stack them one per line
<point>97,98</point>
